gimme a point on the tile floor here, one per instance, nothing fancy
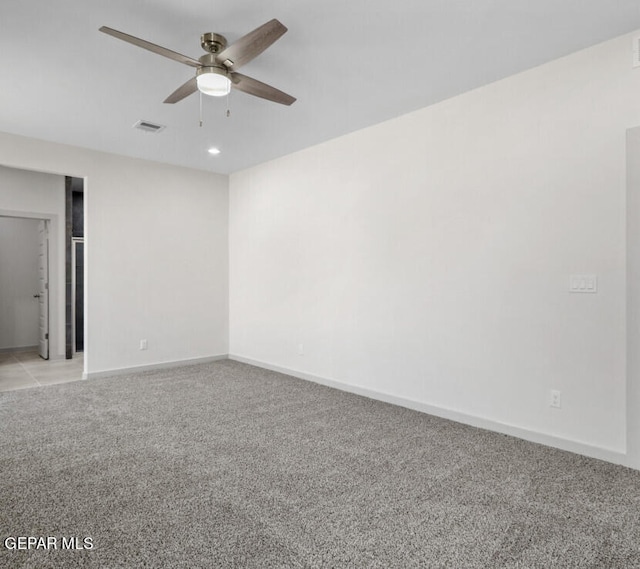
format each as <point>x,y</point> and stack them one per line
<point>19,370</point>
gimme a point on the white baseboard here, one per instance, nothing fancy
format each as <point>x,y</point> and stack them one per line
<point>22,349</point>
<point>147,367</point>
<point>19,349</point>
<point>472,420</point>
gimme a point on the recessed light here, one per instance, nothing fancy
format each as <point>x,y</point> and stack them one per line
<point>214,151</point>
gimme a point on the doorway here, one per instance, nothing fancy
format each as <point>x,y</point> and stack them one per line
<point>74,239</point>
<point>78,294</point>
<point>27,304</point>
<point>41,196</point>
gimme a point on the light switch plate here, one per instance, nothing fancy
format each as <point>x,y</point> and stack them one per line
<point>583,284</point>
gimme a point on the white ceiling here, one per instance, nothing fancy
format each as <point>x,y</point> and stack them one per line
<point>350,63</point>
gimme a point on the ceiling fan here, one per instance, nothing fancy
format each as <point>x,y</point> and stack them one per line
<point>216,70</point>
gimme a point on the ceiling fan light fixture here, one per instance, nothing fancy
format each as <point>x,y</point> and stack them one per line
<point>213,81</point>
<point>217,69</point>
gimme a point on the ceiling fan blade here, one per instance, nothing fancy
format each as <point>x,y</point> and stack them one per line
<point>183,91</point>
<point>151,47</point>
<point>251,45</point>
<point>260,89</point>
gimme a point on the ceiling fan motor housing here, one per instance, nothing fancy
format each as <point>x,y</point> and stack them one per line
<point>213,43</point>
<point>210,65</point>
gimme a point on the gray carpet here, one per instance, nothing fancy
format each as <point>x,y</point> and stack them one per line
<point>227,465</point>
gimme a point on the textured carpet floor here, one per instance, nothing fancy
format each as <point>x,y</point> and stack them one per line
<point>227,465</point>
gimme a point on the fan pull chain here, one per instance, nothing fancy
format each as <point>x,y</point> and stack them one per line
<point>200,93</point>
<point>228,109</point>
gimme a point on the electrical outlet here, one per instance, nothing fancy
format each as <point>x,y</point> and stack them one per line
<point>300,349</point>
<point>143,344</point>
<point>555,399</point>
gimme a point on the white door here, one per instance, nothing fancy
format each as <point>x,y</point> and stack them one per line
<point>43,288</point>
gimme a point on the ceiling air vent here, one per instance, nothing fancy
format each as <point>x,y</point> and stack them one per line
<point>147,126</point>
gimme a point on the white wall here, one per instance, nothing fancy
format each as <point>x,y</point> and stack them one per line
<point>18,282</point>
<point>156,242</point>
<point>41,195</point>
<point>428,257</point>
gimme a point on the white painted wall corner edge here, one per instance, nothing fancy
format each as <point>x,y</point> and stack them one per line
<point>474,421</point>
<point>156,366</point>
